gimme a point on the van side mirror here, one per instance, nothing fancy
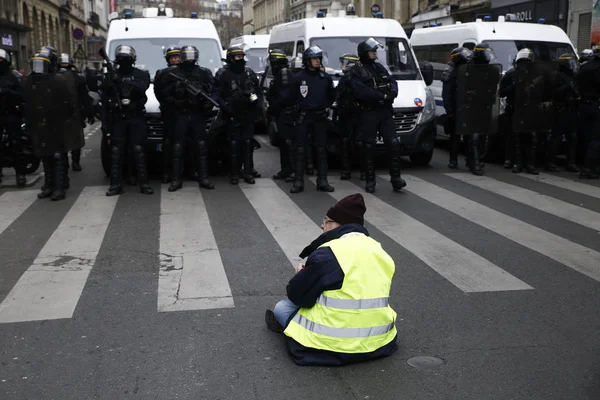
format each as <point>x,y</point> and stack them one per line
<point>93,79</point>
<point>427,72</point>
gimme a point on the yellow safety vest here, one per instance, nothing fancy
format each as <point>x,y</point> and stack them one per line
<point>356,318</point>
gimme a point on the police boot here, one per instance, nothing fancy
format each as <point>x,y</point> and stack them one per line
<point>454,148</point>
<point>518,166</point>
<point>49,174</point>
<point>75,159</point>
<point>59,177</point>
<point>177,182</point>
<point>131,177</point>
<point>346,161</point>
<point>234,176</point>
<point>202,155</point>
<point>255,173</point>
<point>362,162</point>
<point>167,151</point>
<point>551,152</point>
<point>322,167</point>
<point>65,158</point>
<point>397,182</point>
<point>310,168</point>
<point>291,161</point>
<point>571,152</point>
<point>284,160</point>
<point>300,166</point>
<point>116,168</point>
<point>508,151</point>
<point>19,170</point>
<point>247,154</point>
<point>368,149</point>
<point>142,171</point>
<point>475,160</point>
<point>531,156</point>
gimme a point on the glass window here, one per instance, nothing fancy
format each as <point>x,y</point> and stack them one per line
<point>506,50</point>
<point>395,55</point>
<point>150,52</point>
<point>257,59</point>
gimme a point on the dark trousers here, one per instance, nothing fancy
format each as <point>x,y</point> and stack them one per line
<point>311,130</point>
<point>240,131</point>
<point>590,117</point>
<point>128,133</point>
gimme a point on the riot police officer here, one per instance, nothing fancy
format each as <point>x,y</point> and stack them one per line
<point>65,63</point>
<point>125,98</point>
<point>566,103</point>
<point>296,64</point>
<point>282,112</point>
<point>524,142</point>
<point>190,110</point>
<point>172,56</point>
<point>375,91</point>
<point>313,93</point>
<point>237,90</point>
<point>458,57</point>
<point>347,113</point>
<point>589,111</point>
<point>11,107</point>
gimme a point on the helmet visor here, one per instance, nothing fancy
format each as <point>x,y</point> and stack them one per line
<point>40,65</point>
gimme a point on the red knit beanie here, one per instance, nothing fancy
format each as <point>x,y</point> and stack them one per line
<point>349,210</point>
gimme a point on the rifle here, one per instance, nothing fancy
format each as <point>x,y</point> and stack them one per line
<point>193,90</point>
<point>109,76</point>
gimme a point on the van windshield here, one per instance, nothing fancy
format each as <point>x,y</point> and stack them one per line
<point>150,52</point>
<point>257,59</point>
<point>506,50</point>
<point>396,56</point>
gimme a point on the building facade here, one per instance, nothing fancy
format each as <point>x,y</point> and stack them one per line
<point>96,30</point>
<point>13,33</point>
<point>447,12</point>
<point>579,26</point>
<point>248,15</point>
<point>554,12</point>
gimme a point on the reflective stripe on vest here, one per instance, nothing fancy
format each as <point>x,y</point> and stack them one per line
<point>349,304</point>
<point>341,332</point>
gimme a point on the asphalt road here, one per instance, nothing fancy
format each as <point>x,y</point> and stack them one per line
<point>163,296</point>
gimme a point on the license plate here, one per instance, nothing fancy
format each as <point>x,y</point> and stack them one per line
<point>159,147</point>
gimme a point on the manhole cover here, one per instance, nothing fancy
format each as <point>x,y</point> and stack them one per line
<point>425,362</point>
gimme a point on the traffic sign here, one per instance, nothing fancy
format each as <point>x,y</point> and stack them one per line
<point>78,34</point>
<point>375,8</point>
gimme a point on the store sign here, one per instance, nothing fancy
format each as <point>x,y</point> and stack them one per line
<point>524,16</point>
<point>7,40</point>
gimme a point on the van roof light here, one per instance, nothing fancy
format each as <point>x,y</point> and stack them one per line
<point>458,22</point>
<point>320,14</point>
<point>478,20</point>
<point>487,18</point>
<point>350,10</point>
<point>542,21</point>
<point>127,14</point>
<point>379,15</point>
<point>194,15</point>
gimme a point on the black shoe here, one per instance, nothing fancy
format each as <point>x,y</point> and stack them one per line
<point>114,190</point>
<point>272,323</point>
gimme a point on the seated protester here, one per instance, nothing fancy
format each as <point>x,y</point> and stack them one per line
<point>338,310</point>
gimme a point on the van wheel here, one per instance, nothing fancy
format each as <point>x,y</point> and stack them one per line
<point>422,159</point>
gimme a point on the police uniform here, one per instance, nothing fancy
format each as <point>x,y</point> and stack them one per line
<point>589,111</point>
<point>375,91</point>
<point>313,92</point>
<point>125,99</point>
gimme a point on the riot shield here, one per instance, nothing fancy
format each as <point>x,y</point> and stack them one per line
<point>477,99</point>
<point>533,97</point>
<point>53,113</point>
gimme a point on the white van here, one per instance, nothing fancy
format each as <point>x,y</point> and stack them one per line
<point>256,49</point>
<point>414,108</point>
<point>150,36</point>
<point>506,38</point>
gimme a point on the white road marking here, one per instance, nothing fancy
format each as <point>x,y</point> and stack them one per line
<point>573,255</point>
<point>589,190</point>
<point>52,286</point>
<point>13,204</point>
<point>192,275</point>
<point>465,269</point>
<point>264,140</point>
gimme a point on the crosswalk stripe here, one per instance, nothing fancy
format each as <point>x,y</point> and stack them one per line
<point>533,199</point>
<point>52,286</point>
<point>13,204</point>
<point>192,275</point>
<point>564,183</point>
<point>465,269</point>
<point>288,224</point>
<point>579,258</point>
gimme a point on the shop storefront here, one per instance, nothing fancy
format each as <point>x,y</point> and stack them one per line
<point>13,39</point>
<point>554,12</point>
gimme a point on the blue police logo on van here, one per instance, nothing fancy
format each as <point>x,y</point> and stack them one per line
<point>418,102</point>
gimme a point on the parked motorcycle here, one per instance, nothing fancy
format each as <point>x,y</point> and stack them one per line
<point>32,163</point>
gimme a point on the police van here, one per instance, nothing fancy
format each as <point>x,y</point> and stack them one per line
<point>505,36</point>
<point>150,35</point>
<point>256,49</point>
<point>414,108</point>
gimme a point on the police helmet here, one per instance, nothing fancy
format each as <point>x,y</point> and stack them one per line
<point>40,63</point>
<point>596,49</point>
<point>4,56</point>
<point>277,58</point>
<point>234,51</point>
<point>124,52</point>
<point>296,64</point>
<point>347,60</point>
<point>568,62</point>
<point>189,54</point>
<point>483,54</point>
<point>49,52</point>
<point>524,55</point>
<point>65,60</point>
<point>172,51</point>
<point>461,55</point>
<point>311,53</point>
<point>367,46</point>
